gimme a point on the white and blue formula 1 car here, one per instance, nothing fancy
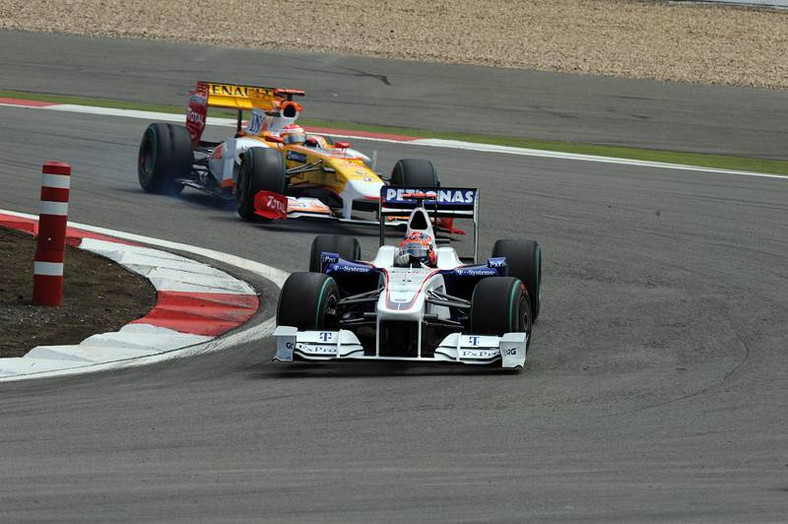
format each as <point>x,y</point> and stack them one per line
<point>416,301</point>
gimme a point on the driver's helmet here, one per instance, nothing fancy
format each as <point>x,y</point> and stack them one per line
<point>293,134</point>
<point>420,246</point>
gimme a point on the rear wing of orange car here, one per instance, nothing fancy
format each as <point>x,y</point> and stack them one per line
<point>273,101</point>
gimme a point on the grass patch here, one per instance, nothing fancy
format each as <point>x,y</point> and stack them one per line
<point>654,155</point>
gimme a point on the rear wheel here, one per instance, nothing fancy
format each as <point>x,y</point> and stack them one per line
<point>500,305</point>
<point>262,169</point>
<point>414,173</point>
<point>308,302</point>
<point>165,155</point>
<point>524,260</point>
<point>347,248</point>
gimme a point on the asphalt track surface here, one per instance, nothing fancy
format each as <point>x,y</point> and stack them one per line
<point>574,108</point>
<point>655,389</point>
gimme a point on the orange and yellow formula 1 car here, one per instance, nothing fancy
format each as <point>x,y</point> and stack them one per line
<point>271,167</point>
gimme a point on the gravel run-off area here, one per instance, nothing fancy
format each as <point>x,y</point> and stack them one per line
<point>675,41</point>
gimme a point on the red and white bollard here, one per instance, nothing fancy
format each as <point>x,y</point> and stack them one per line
<point>52,218</point>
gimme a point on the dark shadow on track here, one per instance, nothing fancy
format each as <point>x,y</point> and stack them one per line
<point>319,227</point>
<point>311,226</point>
<point>350,369</point>
<point>190,197</point>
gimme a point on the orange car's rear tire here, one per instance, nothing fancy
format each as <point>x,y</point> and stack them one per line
<point>165,155</point>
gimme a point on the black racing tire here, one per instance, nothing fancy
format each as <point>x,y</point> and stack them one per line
<point>414,173</point>
<point>524,260</point>
<point>347,248</point>
<point>308,302</point>
<point>262,169</point>
<point>500,305</point>
<point>165,155</point>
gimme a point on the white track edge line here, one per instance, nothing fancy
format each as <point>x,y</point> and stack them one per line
<point>423,142</point>
<point>277,276</point>
<point>271,273</point>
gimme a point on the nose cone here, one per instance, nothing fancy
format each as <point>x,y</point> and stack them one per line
<point>402,298</point>
<point>367,188</point>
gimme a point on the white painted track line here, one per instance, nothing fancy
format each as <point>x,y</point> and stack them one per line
<point>165,338</point>
<point>153,116</point>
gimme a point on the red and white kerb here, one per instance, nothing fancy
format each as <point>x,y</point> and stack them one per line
<point>51,247</point>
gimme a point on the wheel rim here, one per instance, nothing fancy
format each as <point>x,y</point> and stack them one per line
<point>525,320</point>
<point>147,160</point>
<point>328,311</point>
<point>329,318</point>
<point>515,306</point>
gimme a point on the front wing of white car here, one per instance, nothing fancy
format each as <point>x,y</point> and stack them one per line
<point>508,350</point>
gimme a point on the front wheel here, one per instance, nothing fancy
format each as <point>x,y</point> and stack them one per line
<point>500,305</point>
<point>524,261</point>
<point>414,173</point>
<point>308,302</point>
<point>262,169</point>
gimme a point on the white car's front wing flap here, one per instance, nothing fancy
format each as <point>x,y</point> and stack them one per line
<point>457,347</point>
